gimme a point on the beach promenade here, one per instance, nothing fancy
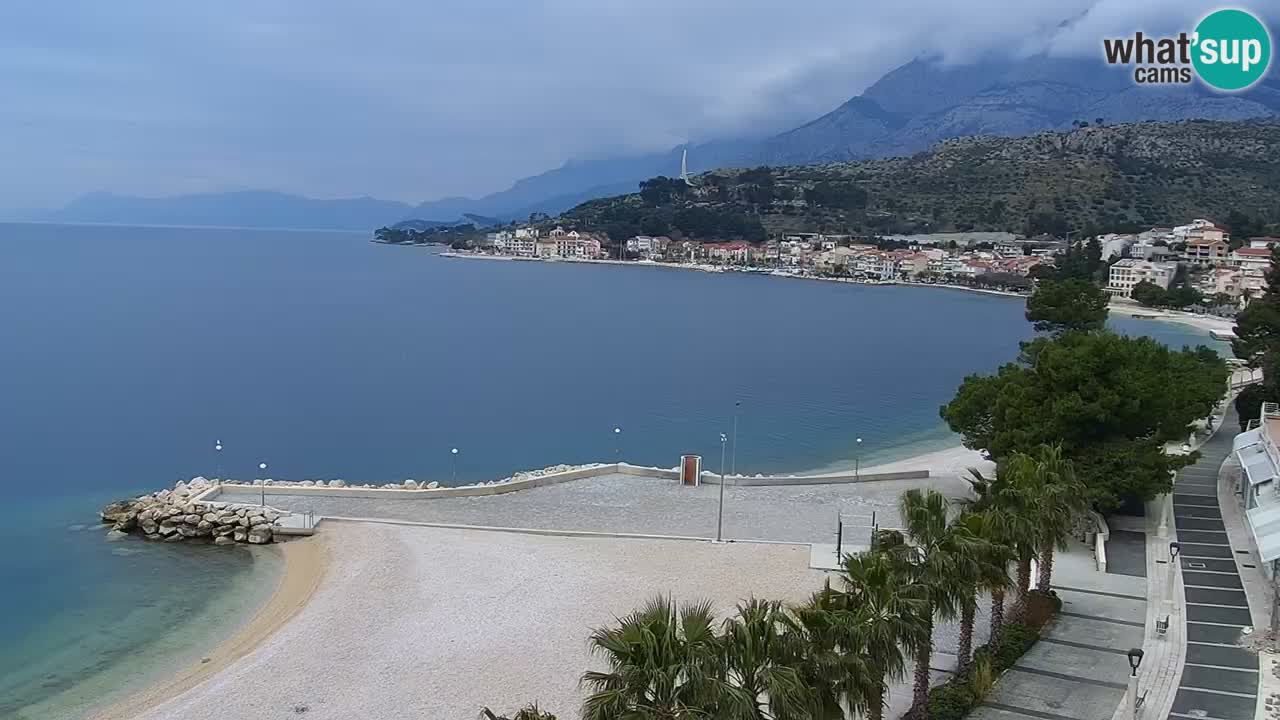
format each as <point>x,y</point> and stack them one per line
<point>410,620</point>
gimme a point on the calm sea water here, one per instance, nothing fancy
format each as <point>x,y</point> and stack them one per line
<point>128,351</point>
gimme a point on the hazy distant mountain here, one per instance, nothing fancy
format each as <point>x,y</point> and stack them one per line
<point>910,109</point>
<point>248,209</point>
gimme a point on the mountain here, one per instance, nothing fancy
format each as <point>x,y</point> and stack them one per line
<point>1087,180</point>
<point>908,110</point>
<point>247,209</point>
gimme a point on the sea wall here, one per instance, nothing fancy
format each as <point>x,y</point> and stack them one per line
<point>553,475</point>
<point>184,514</point>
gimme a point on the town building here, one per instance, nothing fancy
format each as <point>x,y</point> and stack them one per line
<point>1129,272</point>
<point>648,247</point>
<point>1250,258</point>
<point>1206,251</point>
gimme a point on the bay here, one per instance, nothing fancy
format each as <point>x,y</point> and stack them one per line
<point>125,353</point>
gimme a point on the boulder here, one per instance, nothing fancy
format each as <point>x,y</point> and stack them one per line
<point>113,511</point>
<point>175,538</point>
<point>260,534</point>
<point>150,527</point>
<point>240,536</point>
<point>337,483</point>
<point>223,540</point>
<point>308,483</point>
<point>224,530</point>
<point>410,485</point>
<point>258,520</point>
<point>433,485</point>
<point>115,535</point>
<point>210,517</point>
<point>126,522</point>
<point>204,525</point>
<point>187,531</point>
<point>167,529</point>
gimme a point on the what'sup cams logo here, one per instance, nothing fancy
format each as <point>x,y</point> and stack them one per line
<point>1229,50</point>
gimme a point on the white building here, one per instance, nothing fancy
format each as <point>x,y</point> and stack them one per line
<point>1129,272</point>
<point>1114,245</point>
<point>517,245</point>
<point>1250,258</point>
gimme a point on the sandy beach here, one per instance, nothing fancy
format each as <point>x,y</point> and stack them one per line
<point>304,570</point>
<point>419,622</point>
<point>1202,322</point>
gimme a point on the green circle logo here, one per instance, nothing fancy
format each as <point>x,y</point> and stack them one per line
<point>1232,50</point>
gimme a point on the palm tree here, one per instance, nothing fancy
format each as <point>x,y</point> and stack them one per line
<point>663,664</point>
<point>761,678</point>
<point>991,575</point>
<point>1006,502</point>
<point>889,613</point>
<point>1057,498</point>
<point>834,665</point>
<point>528,712</point>
<point>939,557</point>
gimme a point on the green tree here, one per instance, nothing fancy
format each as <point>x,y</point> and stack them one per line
<point>890,614</point>
<point>990,575</point>
<point>1258,325</point>
<point>940,557</point>
<point>1149,294</point>
<point>762,661</point>
<point>663,664</point>
<point>1048,486</point>
<point>1108,400</point>
<point>1067,305</point>
<point>528,712</point>
<point>834,664</point>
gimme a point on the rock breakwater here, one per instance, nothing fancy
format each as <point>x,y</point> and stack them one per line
<point>176,516</point>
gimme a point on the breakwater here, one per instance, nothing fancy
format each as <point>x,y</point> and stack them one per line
<point>183,514</point>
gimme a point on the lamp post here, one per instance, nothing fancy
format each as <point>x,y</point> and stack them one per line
<point>217,448</point>
<point>720,511</point>
<point>733,461</point>
<point>857,460</point>
<point>453,454</point>
<point>1172,598</point>
<point>617,443</point>
<point>262,470</point>
<point>1135,659</point>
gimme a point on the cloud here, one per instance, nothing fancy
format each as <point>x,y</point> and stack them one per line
<point>415,100</point>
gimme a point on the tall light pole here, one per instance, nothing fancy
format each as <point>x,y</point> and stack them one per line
<point>217,448</point>
<point>733,466</point>
<point>262,470</point>
<point>720,512</point>
<point>454,455</point>
<point>617,443</point>
<point>1135,659</point>
<point>857,461</point>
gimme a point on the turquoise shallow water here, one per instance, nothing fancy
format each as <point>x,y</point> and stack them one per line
<point>128,351</point>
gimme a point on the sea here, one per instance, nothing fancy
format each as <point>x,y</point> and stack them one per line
<point>127,354</point>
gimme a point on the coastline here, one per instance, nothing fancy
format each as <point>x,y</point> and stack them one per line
<point>779,273</point>
<point>305,564</point>
<point>1201,322</point>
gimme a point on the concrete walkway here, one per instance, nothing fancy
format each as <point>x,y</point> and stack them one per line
<point>1078,670</point>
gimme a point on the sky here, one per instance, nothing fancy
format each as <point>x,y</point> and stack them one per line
<point>414,100</point>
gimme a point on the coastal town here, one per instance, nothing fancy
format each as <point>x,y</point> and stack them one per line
<point>1202,258</point>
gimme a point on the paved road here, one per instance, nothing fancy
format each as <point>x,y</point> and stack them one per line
<point>1219,678</point>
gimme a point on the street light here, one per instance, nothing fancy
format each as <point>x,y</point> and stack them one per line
<point>217,447</point>
<point>733,467</point>
<point>262,468</point>
<point>1135,659</point>
<point>857,460</point>
<point>1174,549</point>
<point>720,511</point>
<point>454,455</point>
<point>617,443</point>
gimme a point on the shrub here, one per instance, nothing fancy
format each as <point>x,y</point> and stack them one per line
<point>951,701</point>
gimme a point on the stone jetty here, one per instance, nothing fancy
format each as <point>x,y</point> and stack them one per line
<point>174,516</point>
